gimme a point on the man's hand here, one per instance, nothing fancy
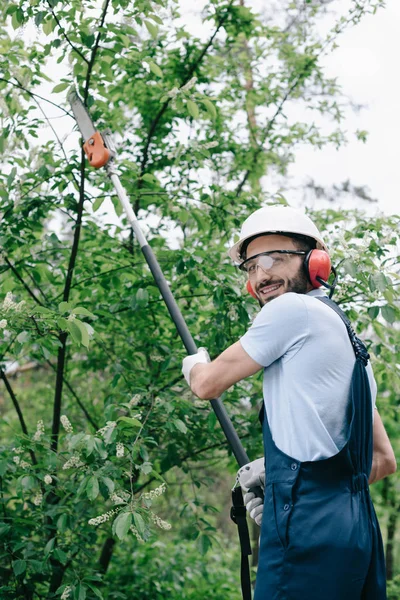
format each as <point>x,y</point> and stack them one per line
<point>201,357</point>
<point>250,476</point>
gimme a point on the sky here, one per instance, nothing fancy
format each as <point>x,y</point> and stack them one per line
<point>366,66</point>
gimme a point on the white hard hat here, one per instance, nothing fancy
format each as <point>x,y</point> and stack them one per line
<point>276,219</point>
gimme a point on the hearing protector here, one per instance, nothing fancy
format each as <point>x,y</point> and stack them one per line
<point>317,266</point>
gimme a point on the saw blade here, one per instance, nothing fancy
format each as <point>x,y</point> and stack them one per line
<point>82,116</point>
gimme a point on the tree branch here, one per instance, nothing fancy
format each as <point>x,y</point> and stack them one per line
<point>18,410</point>
<point>18,85</point>
<point>94,52</point>
<point>79,402</point>
<point>62,31</point>
<point>20,279</point>
<point>189,75</point>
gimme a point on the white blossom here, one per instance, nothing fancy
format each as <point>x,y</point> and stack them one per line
<point>18,450</point>
<point>48,479</point>
<point>134,400</point>
<point>39,431</point>
<point>24,464</point>
<point>155,493</point>
<point>65,422</point>
<point>3,323</point>
<point>107,426</point>
<point>115,499</point>
<point>209,145</point>
<point>159,522</point>
<point>20,306</point>
<point>120,450</point>
<point>8,303</point>
<point>102,518</point>
<point>73,462</point>
<point>135,532</point>
<point>172,93</point>
<point>37,501</point>
<point>189,84</point>
<point>66,593</point>
<point>71,317</point>
<point>16,459</point>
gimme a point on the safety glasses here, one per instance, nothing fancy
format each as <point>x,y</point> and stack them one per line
<point>267,260</point>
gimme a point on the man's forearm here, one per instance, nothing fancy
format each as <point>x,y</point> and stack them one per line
<point>381,467</point>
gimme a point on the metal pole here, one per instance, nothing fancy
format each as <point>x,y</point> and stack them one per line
<point>176,315</point>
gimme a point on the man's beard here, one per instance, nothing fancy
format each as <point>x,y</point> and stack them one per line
<point>298,284</point>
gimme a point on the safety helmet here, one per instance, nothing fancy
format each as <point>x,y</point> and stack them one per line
<point>276,219</point>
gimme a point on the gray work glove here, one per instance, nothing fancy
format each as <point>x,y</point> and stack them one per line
<point>250,476</point>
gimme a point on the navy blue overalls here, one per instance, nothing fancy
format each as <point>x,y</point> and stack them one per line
<point>320,537</point>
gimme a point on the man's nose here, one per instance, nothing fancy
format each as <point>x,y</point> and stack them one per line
<point>261,272</point>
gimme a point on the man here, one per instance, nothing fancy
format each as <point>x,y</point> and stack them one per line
<point>323,439</point>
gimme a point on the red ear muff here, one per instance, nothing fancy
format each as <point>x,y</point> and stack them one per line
<point>250,290</point>
<point>317,265</point>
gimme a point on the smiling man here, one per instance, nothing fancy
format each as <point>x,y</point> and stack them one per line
<point>323,440</point>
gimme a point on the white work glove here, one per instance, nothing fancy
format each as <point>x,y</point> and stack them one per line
<point>188,362</point>
<point>250,476</point>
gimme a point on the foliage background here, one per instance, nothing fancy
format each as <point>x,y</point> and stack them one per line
<point>84,332</point>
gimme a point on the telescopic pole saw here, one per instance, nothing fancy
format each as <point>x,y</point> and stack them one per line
<point>101,153</point>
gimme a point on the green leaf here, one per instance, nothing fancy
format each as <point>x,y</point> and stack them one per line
<point>109,483</point>
<point>60,87</point>
<point>100,448</point>
<point>48,26</point>
<point>388,313</point>
<point>142,297</point>
<point>212,111</point>
<point>84,332</point>
<point>193,109</point>
<point>152,29</point>
<point>92,488</point>
<point>43,310</point>
<point>373,312</point>
<point>64,307</point>
<point>80,592</point>
<point>139,524</point>
<point>180,425</point>
<point>97,203</point>
<point>28,482</point>
<point>350,267</point>
<point>122,524</point>
<point>203,544</point>
<point>49,547</point>
<point>149,178</point>
<point>155,69</point>
<point>61,556</point>
<point>75,331</point>
<point>95,591</point>
<point>3,467</point>
<point>62,523</point>
<point>19,567</point>
<point>132,422</point>
<point>380,281</point>
<point>79,310</point>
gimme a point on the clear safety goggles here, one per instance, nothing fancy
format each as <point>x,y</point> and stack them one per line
<point>267,260</point>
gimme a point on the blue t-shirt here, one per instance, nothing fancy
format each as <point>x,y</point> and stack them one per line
<point>308,358</point>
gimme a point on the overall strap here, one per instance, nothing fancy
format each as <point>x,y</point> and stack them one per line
<point>361,439</point>
<point>358,346</point>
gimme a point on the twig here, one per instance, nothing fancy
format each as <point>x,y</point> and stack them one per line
<point>18,276</point>
<point>62,31</point>
<point>18,410</point>
<point>36,96</point>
